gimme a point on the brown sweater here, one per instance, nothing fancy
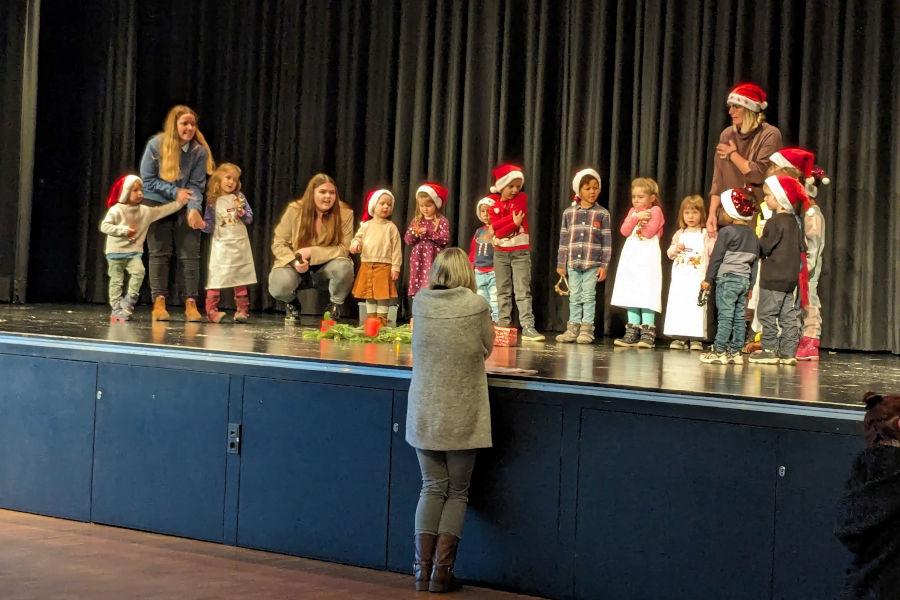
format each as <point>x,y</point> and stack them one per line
<point>286,239</point>
<point>756,146</point>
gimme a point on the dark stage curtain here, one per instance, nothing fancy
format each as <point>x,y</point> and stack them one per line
<point>395,92</point>
<point>18,96</point>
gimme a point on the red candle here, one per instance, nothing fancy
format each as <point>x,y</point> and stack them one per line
<point>371,326</point>
<point>326,324</point>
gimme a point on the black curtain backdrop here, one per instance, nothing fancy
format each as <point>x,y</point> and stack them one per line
<point>396,92</point>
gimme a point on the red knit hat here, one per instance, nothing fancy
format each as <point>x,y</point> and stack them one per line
<point>504,175</point>
<point>739,203</point>
<point>435,191</point>
<point>372,198</point>
<point>748,95</point>
<point>121,189</point>
<point>789,192</point>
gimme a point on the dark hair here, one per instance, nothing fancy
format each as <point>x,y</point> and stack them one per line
<point>880,424</point>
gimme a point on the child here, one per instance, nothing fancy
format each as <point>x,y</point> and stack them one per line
<point>378,243</point>
<point>512,258</point>
<point>585,245</point>
<point>230,258</point>
<point>689,252</point>
<point>869,509</point>
<point>800,163</point>
<point>780,246</point>
<point>638,285</point>
<point>428,233</point>
<point>732,266</point>
<point>125,225</point>
<point>481,255</point>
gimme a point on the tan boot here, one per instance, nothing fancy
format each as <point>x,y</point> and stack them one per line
<point>442,579</point>
<point>191,314</point>
<point>159,312</point>
<point>424,560</point>
<point>585,334</point>
<point>569,335</point>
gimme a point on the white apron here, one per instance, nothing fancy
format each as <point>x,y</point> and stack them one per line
<point>683,317</point>
<point>230,258</point>
<point>639,275</point>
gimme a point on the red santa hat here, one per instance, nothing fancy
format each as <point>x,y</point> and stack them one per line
<point>748,95</point>
<point>789,193</point>
<point>372,198</point>
<point>576,181</point>
<point>504,175</point>
<point>486,201</point>
<point>804,161</point>
<point>739,203</point>
<point>121,189</point>
<point>435,191</point>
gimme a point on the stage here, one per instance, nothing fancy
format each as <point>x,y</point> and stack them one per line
<point>615,472</point>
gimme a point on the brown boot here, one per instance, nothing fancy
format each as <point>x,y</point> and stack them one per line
<point>191,314</point>
<point>159,312</point>
<point>442,579</point>
<point>424,560</point>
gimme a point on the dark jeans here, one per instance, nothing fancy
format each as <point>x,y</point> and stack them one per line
<point>731,297</point>
<point>779,309</point>
<point>168,236</point>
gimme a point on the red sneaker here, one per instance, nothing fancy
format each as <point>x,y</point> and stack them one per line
<point>808,349</point>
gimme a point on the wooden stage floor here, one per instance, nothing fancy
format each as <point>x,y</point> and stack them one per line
<point>838,380</point>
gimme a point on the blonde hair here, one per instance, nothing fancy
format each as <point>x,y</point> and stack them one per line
<point>451,269</point>
<point>331,220</point>
<point>170,144</point>
<point>789,171</point>
<point>751,120</point>
<point>214,187</point>
<point>693,201</point>
<point>418,215</point>
<point>650,186</point>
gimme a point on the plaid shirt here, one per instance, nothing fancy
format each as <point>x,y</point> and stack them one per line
<point>585,238</point>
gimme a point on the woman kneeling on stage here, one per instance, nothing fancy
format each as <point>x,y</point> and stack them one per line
<point>869,521</point>
<point>448,415</point>
<point>311,245</point>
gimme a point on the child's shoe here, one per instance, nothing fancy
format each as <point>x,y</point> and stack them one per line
<point>808,349</point>
<point>212,307</point>
<point>648,337</point>
<point>765,357</point>
<point>787,360</point>
<point>117,316</point>
<point>191,314</point>
<point>697,345</point>
<point>677,345</point>
<point>752,347</point>
<point>585,334</point>
<point>242,314</point>
<point>631,337</point>
<point>532,335</point>
<point>127,304</point>
<point>735,358</point>
<point>714,358</point>
<point>159,312</point>
<point>570,334</point>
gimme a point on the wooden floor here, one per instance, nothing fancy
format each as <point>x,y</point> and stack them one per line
<point>43,558</point>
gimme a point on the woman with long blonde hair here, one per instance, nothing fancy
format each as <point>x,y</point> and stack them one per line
<point>175,165</point>
<point>311,245</point>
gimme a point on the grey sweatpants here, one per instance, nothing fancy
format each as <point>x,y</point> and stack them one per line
<point>778,309</point>
<point>445,490</point>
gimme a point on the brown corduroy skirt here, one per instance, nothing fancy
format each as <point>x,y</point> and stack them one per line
<point>373,282</point>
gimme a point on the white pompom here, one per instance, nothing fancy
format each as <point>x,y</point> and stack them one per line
<point>825,181</point>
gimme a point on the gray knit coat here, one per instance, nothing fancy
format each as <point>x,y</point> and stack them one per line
<point>448,405</point>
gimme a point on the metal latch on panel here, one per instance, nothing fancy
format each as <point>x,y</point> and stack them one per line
<point>234,438</point>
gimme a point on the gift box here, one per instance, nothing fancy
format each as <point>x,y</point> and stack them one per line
<point>506,336</point>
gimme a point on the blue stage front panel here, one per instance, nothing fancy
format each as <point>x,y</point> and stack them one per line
<point>159,459</point>
<point>46,435</point>
<point>315,470</point>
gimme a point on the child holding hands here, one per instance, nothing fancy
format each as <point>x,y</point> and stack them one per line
<point>377,241</point>
<point>585,247</point>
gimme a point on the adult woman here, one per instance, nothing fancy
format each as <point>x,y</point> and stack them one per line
<point>174,166</point>
<point>311,245</point>
<point>742,154</point>
<point>869,520</point>
<point>448,415</point>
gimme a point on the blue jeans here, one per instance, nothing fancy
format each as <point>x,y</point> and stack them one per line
<point>582,295</point>
<point>487,289</point>
<point>731,298</point>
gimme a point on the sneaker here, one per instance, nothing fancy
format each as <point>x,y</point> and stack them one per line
<point>714,358</point>
<point>677,345</point>
<point>808,349</point>
<point>697,345</point>
<point>787,360</point>
<point>765,357</point>
<point>292,312</point>
<point>735,358</point>
<point>532,335</point>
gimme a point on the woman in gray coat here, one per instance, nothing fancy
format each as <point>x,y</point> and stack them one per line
<point>448,415</point>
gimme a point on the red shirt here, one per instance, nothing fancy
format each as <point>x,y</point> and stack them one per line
<point>509,237</point>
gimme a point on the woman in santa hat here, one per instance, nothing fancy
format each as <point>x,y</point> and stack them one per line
<point>742,154</point>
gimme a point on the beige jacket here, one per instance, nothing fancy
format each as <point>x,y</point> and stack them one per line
<point>286,239</point>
